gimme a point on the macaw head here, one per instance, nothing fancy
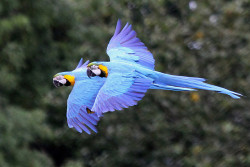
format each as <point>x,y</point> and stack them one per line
<point>68,78</point>
<point>95,69</point>
<point>63,79</point>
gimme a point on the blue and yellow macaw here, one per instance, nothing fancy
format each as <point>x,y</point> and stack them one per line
<point>100,87</point>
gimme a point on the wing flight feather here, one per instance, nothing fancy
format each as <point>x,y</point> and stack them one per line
<point>125,46</point>
<point>82,97</point>
<point>120,91</point>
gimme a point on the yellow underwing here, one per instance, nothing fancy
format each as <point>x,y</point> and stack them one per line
<point>89,111</point>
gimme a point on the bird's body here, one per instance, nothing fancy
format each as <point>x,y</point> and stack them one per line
<point>166,81</point>
<point>100,87</point>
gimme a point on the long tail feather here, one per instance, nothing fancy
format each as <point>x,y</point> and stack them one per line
<point>190,82</point>
<point>168,87</point>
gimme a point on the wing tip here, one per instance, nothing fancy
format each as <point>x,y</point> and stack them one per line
<point>79,64</point>
<point>127,37</point>
<point>118,27</point>
<point>86,63</point>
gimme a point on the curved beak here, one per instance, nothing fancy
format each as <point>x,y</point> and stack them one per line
<point>57,83</point>
<point>59,80</point>
<point>90,73</point>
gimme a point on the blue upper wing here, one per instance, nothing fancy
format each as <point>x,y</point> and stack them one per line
<point>121,91</point>
<point>125,46</point>
<point>82,97</point>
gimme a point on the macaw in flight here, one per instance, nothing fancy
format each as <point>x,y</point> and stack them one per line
<point>100,87</point>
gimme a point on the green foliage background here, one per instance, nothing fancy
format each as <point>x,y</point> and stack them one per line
<point>43,37</point>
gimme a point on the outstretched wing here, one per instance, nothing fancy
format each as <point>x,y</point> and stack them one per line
<point>125,46</point>
<point>81,98</point>
<point>120,91</point>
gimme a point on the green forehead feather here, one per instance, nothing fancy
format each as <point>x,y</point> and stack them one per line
<point>91,64</point>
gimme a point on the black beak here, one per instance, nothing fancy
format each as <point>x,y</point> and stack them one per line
<point>57,83</point>
<point>90,73</point>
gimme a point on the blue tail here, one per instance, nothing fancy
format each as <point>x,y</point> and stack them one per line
<point>182,83</point>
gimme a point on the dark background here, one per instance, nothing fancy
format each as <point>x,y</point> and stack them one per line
<point>209,39</point>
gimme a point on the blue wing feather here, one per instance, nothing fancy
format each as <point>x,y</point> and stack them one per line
<point>82,97</point>
<point>81,64</point>
<point>125,46</point>
<point>121,91</point>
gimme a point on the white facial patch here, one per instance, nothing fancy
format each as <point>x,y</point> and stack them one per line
<point>59,77</point>
<point>63,81</point>
<point>97,71</point>
<point>93,67</point>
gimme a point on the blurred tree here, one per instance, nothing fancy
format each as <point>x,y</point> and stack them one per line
<point>207,39</point>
